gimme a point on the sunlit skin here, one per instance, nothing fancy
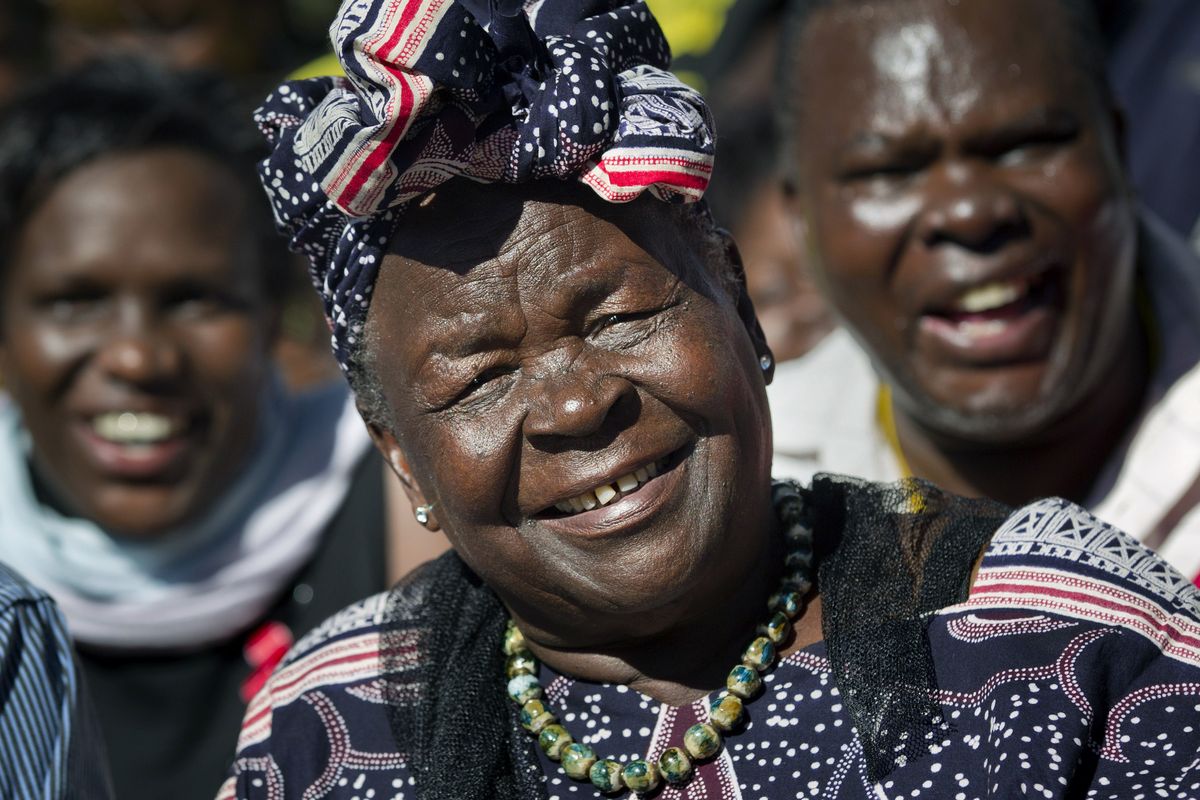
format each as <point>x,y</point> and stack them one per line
<point>552,345</point>
<point>957,146</point>
<point>133,286</point>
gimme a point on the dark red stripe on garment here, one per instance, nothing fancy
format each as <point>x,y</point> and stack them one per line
<point>1092,600</point>
<point>406,96</point>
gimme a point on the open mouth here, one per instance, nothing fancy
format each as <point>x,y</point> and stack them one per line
<point>607,494</point>
<point>992,313</point>
<point>138,445</point>
<point>136,428</point>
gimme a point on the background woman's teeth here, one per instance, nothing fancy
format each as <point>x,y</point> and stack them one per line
<point>641,474</point>
<point>589,500</point>
<point>988,297</point>
<point>627,482</point>
<point>128,427</point>
<point>652,470</point>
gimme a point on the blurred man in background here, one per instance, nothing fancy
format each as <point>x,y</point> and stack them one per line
<point>1018,326</point>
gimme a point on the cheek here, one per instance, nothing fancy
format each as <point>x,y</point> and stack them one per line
<point>225,353</point>
<point>464,464</point>
<point>37,357</point>
<point>857,237</point>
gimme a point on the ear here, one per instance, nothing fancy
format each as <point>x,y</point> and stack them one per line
<point>387,444</point>
<point>745,307</point>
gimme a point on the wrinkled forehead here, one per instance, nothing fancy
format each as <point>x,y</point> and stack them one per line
<point>900,59</point>
<point>472,249</point>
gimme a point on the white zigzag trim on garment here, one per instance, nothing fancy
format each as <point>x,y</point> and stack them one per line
<point>366,613</point>
<point>1057,530</point>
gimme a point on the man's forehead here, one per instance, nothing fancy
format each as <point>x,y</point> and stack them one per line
<point>914,53</point>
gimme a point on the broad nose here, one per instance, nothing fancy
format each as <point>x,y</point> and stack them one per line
<point>577,404</point>
<point>969,208</point>
<point>138,350</point>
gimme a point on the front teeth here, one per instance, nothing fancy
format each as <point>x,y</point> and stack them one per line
<point>984,329</point>
<point>605,493</point>
<point>989,297</point>
<point>130,427</point>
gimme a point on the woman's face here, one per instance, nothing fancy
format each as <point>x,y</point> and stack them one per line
<point>134,336</point>
<point>967,207</point>
<point>557,346</point>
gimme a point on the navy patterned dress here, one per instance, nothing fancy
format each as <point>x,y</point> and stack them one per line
<point>1071,670</point>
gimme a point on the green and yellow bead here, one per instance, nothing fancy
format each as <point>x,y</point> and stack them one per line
<point>514,640</point>
<point>702,741</point>
<point>640,776</point>
<point>726,712</point>
<point>578,760</point>
<point>524,688</point>
<point>521,662</point>
<point>535,716</point>
<point>776,628</point>
<point>553,739</point>
<point>605,775</point>
<point>675,766</point>
<point>760,654</point>
<point>743,681</point>
<point>790,602</point>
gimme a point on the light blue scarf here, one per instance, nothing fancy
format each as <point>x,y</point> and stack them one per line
<point>206,581</point>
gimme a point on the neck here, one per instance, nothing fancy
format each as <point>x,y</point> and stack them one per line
<point>689,659</point>
<point>1065,460</point>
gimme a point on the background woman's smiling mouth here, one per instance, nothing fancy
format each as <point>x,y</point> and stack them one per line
<point>136,445</point>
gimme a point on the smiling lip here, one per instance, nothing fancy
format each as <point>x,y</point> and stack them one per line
<point>1005,320</point>
<point>134,460</point>
<point>624,513</point>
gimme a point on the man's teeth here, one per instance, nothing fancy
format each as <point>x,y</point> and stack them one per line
<point>981,329</point>
<point>131,427</point>
<point>990,296</point>
<point>605,493</point>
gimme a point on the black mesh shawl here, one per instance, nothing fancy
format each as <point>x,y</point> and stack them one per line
<point>890,556</point>
<point>456,723</point>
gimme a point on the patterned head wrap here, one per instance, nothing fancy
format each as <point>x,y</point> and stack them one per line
<point>491,90</point>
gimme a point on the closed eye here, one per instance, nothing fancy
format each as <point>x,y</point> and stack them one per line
<point>1033,146</point>
<point>883,170</point>
<point>619,319</point>
<point>485,384</point>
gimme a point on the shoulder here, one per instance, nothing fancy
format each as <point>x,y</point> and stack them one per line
<point>16,591</point>
<point>24,606</point>
<point>1054,556</point>
<point>338,685</point>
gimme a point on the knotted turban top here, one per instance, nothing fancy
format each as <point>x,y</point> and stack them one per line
<point>489,90</point>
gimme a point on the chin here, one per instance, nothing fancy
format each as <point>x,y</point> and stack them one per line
<point>1000,419</point>
<point>142,513</point>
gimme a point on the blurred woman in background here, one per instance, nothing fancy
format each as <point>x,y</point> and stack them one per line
<point>189,515</point>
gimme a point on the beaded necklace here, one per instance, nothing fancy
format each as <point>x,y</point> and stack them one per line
<point>703,740</point>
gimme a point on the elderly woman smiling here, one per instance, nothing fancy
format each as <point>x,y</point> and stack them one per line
<point>566,374</point>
